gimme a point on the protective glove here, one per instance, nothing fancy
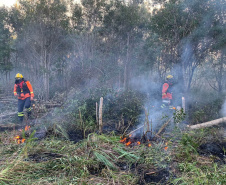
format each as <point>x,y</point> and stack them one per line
<point>32,98</point>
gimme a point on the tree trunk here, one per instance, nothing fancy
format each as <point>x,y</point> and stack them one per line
<point>126,71</point>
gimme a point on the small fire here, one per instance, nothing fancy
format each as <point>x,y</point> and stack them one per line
<point>130,135</point>
<point>128,143</point>
<point>138,142</point>
<point>166,147</point>
<point>149,145</point>
<point>18,138</point>
<point>27,128</point>
<point>123,140</point>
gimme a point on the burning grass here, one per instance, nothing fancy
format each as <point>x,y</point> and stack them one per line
<point>102,159</point>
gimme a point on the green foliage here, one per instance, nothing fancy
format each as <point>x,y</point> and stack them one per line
<point>193,174</point>
<point>157,157</point>
<point>5,43</point>
<point>189,147</point>
<point>205,110</point>
<point>124,105</point>
<point>179,116</point>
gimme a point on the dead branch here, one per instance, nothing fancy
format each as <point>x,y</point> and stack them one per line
<point>164,126</point>
<point>7,115</point>
<point>135,130</point>
<point>208,124</point>
<point>53,105</point>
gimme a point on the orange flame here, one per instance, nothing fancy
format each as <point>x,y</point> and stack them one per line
<point>128,143</point>
<point>138,142</point>
<point>130,135</point>
<point>27,128</point>
<point>123,140</point>
<point>18,138</point>
<point>149,145</point>
<point>166,148</point>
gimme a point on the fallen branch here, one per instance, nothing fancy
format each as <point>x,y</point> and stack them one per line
<point>7,115</point>
<point>164,126</point>
<point>208,124</point>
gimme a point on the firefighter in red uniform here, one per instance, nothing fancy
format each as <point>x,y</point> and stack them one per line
<point>24,91</point>
<point>167,94</point>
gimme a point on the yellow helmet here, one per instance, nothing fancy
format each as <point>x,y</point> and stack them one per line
<point>18,75</point>
<point>169,77</point>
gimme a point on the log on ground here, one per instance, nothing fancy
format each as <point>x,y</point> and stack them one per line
<point>208,124</point>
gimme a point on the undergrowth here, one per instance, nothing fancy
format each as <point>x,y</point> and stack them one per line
<point>101,159</point>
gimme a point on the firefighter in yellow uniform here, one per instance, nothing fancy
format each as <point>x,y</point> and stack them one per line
<point>24,91</point>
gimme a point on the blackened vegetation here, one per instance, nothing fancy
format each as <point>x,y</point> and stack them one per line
<point>75,135</point>
<point>96,169</point>
<point>216,149</point>
<point>161,176</point>
<point>40,157</point>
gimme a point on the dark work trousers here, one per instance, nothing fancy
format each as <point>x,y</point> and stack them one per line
<point>21,104</point>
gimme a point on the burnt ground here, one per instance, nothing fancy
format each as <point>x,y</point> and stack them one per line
<point>215,149</point>
<point>75,135</point>
<point>41,157</point>
<point>161,176</point>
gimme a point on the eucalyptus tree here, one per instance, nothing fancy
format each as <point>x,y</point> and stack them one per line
<point>41,27</point>
<point>5,43</point>
<point>217,35</point>
<point>124,30</point>
<point>184,28</point>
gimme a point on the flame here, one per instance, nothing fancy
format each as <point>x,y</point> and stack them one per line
<point>27,128</point>
<point>128,143</point>
<point>149,145</point>
<point>138,142</point>
<point>18,138</point>
<point>130,135</point>
<point>123,140</point>
<point>166,148</point>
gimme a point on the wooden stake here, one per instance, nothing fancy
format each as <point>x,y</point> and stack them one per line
<point>97,113</point>
<point>100,115</point>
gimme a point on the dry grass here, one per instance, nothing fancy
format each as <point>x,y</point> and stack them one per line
<point>97,160</point>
